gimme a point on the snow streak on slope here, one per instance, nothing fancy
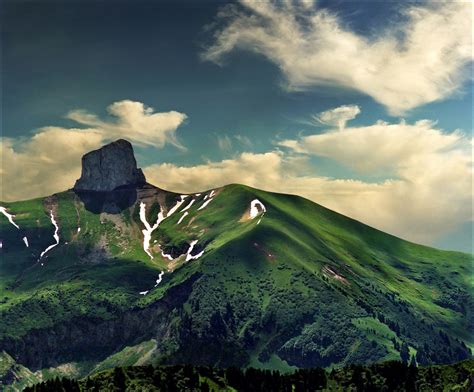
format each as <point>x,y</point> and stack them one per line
<point>189,256</point>
<point>158,281</point>
<point>148,230</point>
<point>55,236</point>
<point>169,257</point>
<point>160,278</point>
<point>205,204</point>
<point>3,210</point>
<point>182,217</point>
<point>10,217</point>
<point>189,205</point>
<point>178,204</point>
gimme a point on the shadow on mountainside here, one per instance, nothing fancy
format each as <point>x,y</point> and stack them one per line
<point>111,202</point>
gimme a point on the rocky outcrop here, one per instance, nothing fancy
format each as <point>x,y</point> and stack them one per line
<point>109,168</point>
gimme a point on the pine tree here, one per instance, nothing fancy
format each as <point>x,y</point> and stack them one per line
<point>413,362</point>
<point>119,378</point>
<point>404,353</point>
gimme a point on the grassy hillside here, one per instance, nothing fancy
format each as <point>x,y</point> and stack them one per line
<point>297,286</point>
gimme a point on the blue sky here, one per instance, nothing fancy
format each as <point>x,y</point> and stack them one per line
<point>234,97</point>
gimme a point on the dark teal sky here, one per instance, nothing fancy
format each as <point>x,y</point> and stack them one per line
<point>63,55</point>
<point>59,56</point>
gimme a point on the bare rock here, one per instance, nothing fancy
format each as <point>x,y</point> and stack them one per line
<point>109,168</point>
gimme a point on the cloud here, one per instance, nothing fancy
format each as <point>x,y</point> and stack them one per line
<point>424,58</point>
<point>50,160</point>
<point>227,143</point>
<point>244,141</point>
<point>224,143</point>
<point>381,148</point>
<point>338,116</point>
<point>426,194</point>
<point>135,122</point>
<point>247,168</point>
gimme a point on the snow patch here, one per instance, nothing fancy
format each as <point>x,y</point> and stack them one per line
<point>55,236</point>
<point>78,230</point>
<point>160,278</point>
<point>205,204</point>
<point>189,256</point>
<point>25,240</point>
<point>158,281</point>
<point>166,256</point>
<point>148,230</point>
<point>209,198</point>
<point>255,210</point>
<point>182,217</point>
<point>177,205</point>
<point>10,217</point>
<point>189,205</point>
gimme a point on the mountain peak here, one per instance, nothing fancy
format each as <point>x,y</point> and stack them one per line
<point>110,167</point>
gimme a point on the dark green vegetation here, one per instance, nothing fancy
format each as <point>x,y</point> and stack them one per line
<point>306,287</point>
<point>390,376</point>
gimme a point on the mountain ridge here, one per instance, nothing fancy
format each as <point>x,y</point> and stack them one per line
<point>213,281</point>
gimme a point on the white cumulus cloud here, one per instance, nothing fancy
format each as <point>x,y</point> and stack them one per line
<point>136,122</point>
<point>381,148</point>
<point>338,116</point>
<point>423,58</point>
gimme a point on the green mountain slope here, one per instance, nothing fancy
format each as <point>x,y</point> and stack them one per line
<point>296,286</point>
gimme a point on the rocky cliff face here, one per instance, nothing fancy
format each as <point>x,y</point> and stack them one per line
<point>110,167</point>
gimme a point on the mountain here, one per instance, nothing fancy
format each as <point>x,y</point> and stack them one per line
<point>118,272</point>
